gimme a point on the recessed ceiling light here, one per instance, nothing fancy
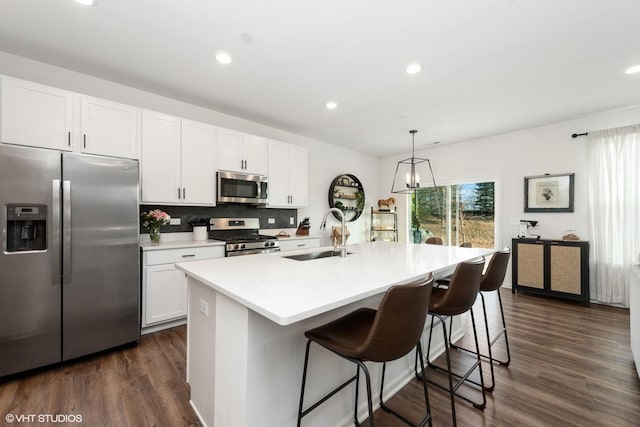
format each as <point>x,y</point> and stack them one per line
<point>86,2</point>
<point>332,105</point>
<point>223,58</point>
<point>633,70</point>
<point>413,68</point>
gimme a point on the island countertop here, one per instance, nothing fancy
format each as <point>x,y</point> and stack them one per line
<point>288,291</point>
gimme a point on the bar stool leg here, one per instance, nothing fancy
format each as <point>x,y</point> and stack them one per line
<point>504,331</point>
<point>488,388</point>
<point>492,341</point>
<point>427,418</point>
<point>369,400</point>
<point>447,357</point>
<point>304,380</point>
<point>355,409</point>
<point>479,362</point>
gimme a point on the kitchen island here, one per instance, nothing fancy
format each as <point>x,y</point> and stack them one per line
<point>246,323</point>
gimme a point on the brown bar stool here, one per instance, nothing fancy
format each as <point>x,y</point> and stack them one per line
<point>492,281</point>
<point>380,335</point>
<point>434,241</point>
<point>457,299</point>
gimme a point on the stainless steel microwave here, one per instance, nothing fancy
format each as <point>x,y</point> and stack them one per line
<point>234,187</point>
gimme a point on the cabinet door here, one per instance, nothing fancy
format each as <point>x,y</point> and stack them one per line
<point>108,128</point>
<point>255,155</point>
<point>36,115</point>
<point>531,265</point>
<point>165,293</point>
<point>278,173</point>
<point>198,165</point>
<point>230,150</point>
<point>160,158</point>
<point>298,176</point>
<point>565,269</point>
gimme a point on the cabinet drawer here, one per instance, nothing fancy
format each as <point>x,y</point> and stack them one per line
<point>290,245</point>
<point>186,254</point>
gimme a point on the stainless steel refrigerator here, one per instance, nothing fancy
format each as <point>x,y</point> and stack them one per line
<point>69,265</point>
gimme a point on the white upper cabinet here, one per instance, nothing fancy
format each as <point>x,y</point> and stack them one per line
<point>160,164</point>
<point>109,128</point>
<point>177,160</point>
<point>36,115</point>
<point>288,175</point>
<point>198,163</point>
<point>241,152</point>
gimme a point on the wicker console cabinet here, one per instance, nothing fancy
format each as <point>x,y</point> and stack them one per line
<point>556,268</point>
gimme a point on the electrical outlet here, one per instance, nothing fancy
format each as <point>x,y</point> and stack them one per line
<point>291,221</point>
<point>271,221</point>
<point>204,307</point>
<point>174,221</point>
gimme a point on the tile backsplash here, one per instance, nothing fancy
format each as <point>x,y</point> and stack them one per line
<point>282,217</point>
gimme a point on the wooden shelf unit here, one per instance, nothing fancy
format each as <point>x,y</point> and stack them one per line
<point>384,232</point>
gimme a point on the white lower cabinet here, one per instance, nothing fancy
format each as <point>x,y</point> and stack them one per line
<point>166,296</point>
<point>164,288</point>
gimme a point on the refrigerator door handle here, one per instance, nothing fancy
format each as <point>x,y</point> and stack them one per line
<point>55,231</point>
<point>66,232</point>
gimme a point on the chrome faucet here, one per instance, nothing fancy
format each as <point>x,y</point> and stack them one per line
<point>342,247</point>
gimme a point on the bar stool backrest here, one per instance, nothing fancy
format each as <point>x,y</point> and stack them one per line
<point>463,289</point>
<point>399,321</point>
<point>434,241</point>
<point>496,270</point>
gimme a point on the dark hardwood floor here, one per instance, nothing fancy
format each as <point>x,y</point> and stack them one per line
<point>571,366</point>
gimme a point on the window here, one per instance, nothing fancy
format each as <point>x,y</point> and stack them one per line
<point>457,213</point>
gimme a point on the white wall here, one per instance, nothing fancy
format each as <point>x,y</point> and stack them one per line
<point>326,161</point>
<point>512,156</point>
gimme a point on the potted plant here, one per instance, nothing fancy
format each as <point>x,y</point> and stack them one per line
<point>360,200</point>
<point>152,221</point>
<point>200,228</point>
<point>415,225</point>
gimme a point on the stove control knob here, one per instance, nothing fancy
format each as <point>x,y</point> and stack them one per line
<point>242,246</point>
<point>272,244</point>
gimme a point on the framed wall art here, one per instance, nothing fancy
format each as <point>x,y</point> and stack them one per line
<point>548,193</point>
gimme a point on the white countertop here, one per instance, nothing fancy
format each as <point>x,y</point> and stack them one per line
<point>287,291</point>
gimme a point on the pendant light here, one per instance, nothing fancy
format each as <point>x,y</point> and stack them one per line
<point>410,172</point>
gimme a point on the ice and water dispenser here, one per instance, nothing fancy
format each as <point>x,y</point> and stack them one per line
<point>26,227</point>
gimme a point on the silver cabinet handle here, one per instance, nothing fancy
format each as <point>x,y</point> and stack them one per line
<point>188,256</point>
<point>300,245</point>
<point>178,192</point>
<point>66,232</point>
<point>69,138</point>
<point>54,245</point>
<point>184,193</point>
<point>84,140</point>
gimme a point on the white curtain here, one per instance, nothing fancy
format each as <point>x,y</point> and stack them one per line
<point>614,203</point>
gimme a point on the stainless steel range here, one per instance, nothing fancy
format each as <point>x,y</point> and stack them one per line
<point>242,236</point>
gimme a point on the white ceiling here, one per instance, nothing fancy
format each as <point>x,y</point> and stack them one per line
<point>489,66</point>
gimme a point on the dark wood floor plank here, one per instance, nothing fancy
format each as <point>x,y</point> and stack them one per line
<point>571,366</point>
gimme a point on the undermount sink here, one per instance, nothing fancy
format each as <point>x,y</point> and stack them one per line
<point>314,255</point>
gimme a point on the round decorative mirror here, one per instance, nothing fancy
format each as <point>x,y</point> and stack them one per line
<point>347,194</point>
